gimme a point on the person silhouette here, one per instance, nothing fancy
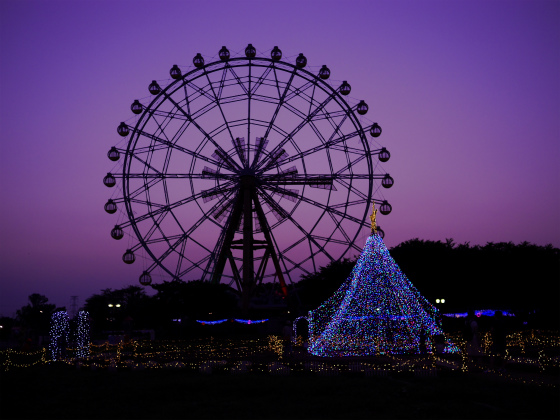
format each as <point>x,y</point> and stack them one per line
<point>498,332</point>
<point>287,333</point>
<point>471,335</point>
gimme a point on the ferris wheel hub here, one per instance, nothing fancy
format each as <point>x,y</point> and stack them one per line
<point>247,172</point>
<point>247,180</point>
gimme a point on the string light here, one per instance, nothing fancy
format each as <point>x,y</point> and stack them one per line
<point>478,313</point>
<point>240,321</point>
<point>59,334</point>
<point>250,321</point>
<point>266,356</point>
<point>82,334</point>
<point>220,321</point>
<point>376,311</point>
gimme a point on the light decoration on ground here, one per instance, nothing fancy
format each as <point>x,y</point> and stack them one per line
<point>377,310</point>
<point>82,334</point>
<point>219,321</point>
<point>479,313</point>
<point>240,321</point>
<point>250,321</point>
<point>533,349</point>
<point>59,334</point>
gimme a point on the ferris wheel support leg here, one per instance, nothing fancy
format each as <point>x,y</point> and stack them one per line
<point>233,221</point>
<point>247,284</point>
<point>234,270</point>
<point>259,275</point>
<point>268,238</point>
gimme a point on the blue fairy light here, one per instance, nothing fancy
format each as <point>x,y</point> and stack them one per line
<point>82,334</point>
<point>59,334</point>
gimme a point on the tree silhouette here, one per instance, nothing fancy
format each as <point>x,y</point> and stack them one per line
<point>36,315</point>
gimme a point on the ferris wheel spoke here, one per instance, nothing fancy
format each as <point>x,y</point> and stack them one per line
<point>221,85</point>
<point>141,189</point>
<point>335,126</point>
<point>351,203</point>
<point>223,190</point>
<point>187,99</point>
<point>289,194</point>
<point>153,241</point>
<point>145,163</point>
<point>311,257</point>
<point>180,259</point>
<point>217,100</point>
<point>315,149</point>
<point>157,227</point>
<point>181,238</point>
<point>237,79</point>
<point>299,265</point>
<point>249,96</point>
<point>219,210</point>
<point>349,149</point>
<point>176,147</point>
<point>213,256</point>
<point>203,111</point>
<point>350,165</point>
<point>330,210</point>
<point>352,176</point>
<point>311,98</point>
<point>311,114</point>
<point>330,239</point>
<point>146,150</point>
<point>194,265</point>
<point>260,80</point>
<point>204,133</point>
<point>302,124</point>
<point>337,223</point>
<point>330,115</point>
<point>294,110</point>
<point>299,91</point>
<point>167,160</point>
<point>179,133</point>
<point>314,181</point>
<point>213,193</point>
<point>282,98</point>
<point>168,115</point>
<point>293,245</point>
<point>323,141</point>
<point>240,149</point>
<point>338,226</point>
<point>200,90</point>
<point>284,214</point>
<point>351,188</point>
<point>161,126</point>
<point>296,265</point>
<point>198,264</point>
<point>205,174</point>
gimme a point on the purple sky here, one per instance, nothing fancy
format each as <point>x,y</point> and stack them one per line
<point>467,93</point>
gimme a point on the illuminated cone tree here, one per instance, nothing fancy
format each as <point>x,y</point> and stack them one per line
<point>376,311</point>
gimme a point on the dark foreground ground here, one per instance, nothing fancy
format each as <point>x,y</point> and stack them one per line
<point>60,391</point>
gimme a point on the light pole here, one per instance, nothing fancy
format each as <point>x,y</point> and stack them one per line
<point>112,307</point>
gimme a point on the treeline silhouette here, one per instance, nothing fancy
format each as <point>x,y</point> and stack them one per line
<point>523,278</point>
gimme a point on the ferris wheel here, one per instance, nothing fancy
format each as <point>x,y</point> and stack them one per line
<point>245,169</point>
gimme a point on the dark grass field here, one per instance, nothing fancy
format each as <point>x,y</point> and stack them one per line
<point>60,391</point>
